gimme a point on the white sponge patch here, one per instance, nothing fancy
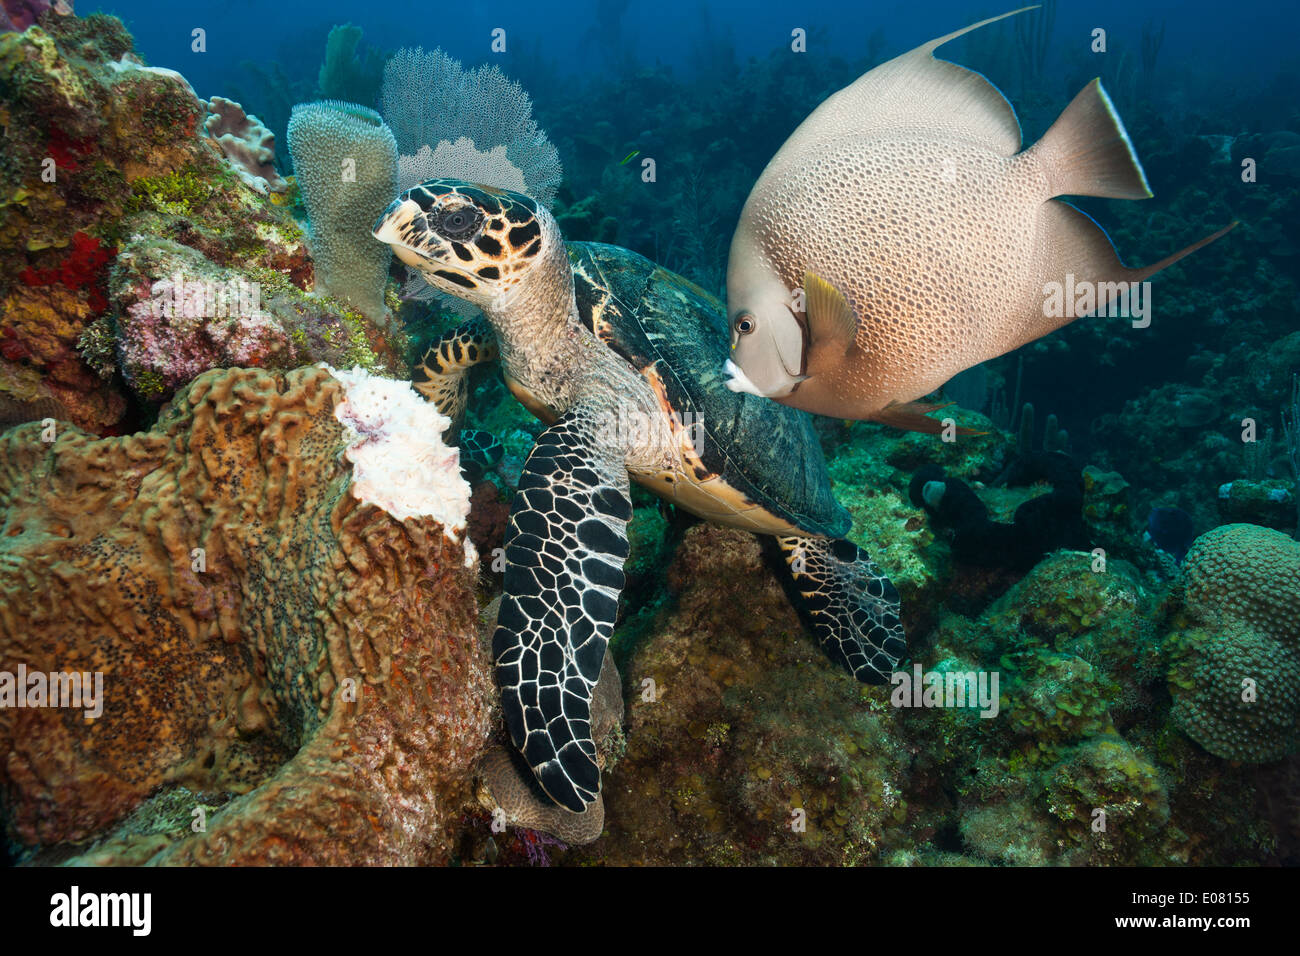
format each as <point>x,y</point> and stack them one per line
<point>399,462</point>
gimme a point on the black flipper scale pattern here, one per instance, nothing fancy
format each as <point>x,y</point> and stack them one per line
<point>479,453</point>
<point>565,545</point>
<point>851,606</point>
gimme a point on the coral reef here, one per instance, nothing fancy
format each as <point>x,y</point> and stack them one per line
<point>83,121</point>
<point>139,199</point>
<point>736,720</point>
<point>305,664</point>
<point>743,746</point>
<point>346,164</point>
<point>180,314</point>
<point>1145,712</point>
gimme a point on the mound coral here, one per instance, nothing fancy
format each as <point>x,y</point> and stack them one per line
<point>1236,692</point>
<point>1235,676</point>
<point>345,159</point>
<point>1248,574</point>
<point>304,664</point>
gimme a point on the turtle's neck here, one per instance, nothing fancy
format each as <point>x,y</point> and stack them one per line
<point>542,342</point>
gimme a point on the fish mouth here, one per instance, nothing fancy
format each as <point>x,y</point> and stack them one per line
<point>738,381</point>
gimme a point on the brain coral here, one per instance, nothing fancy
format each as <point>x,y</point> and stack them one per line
<point>1209,683</point>
<point>1246,573</point>
<point>264,635</point>
<point>1236,680</point>
<point>346,162</point>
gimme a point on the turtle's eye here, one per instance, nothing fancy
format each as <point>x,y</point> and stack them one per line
<point>745,323</point>
<point>459,223</point>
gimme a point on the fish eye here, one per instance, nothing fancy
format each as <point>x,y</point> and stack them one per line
<point>745,323</point>
<point>459,223</point>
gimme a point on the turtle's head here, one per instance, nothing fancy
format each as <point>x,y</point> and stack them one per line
<point>478,243</point>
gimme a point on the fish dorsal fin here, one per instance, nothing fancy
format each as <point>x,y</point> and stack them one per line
<point>830,317</point>
<point>915,91</point>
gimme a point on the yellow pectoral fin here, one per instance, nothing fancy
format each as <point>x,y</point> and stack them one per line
<point>830,317</point>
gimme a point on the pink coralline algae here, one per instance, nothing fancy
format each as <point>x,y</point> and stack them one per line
<point>182,328</point>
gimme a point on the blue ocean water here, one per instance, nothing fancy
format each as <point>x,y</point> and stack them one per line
<point>1250,40</point>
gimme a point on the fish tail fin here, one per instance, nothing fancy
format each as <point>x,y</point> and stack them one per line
<point>1087,151</point>
<point>912,417</point>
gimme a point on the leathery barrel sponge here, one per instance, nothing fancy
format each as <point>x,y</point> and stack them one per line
<point>270,583</point>
<point>1235,674</point>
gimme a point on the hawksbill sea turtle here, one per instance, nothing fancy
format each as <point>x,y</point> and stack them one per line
<point>622,360</point>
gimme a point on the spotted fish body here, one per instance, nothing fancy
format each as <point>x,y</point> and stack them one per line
<point>908,193</point>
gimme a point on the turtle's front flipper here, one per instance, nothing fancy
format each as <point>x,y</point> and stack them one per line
<point>479,453</point>
<point>442,377</point>
<point>565,545</point>
<point>850,604</point>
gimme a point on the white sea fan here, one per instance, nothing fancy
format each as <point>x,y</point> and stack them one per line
<point>460,160</point>
<point>428,99</point>
<point>475,125</point>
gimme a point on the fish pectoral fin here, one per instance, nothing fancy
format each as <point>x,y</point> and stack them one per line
<point>912,417</point>
<point>830,317</point>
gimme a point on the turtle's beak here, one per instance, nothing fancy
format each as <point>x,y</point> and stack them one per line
<point>404,227</point>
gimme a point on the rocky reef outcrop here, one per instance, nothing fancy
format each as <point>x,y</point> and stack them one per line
<point>133,253</point>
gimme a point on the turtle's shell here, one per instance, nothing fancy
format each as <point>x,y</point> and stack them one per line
<point>676,335</point>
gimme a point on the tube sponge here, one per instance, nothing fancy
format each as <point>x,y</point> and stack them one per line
<point>345,159</point>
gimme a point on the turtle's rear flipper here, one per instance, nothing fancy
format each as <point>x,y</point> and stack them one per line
<point>565,545</point>
<point>849,603</point>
